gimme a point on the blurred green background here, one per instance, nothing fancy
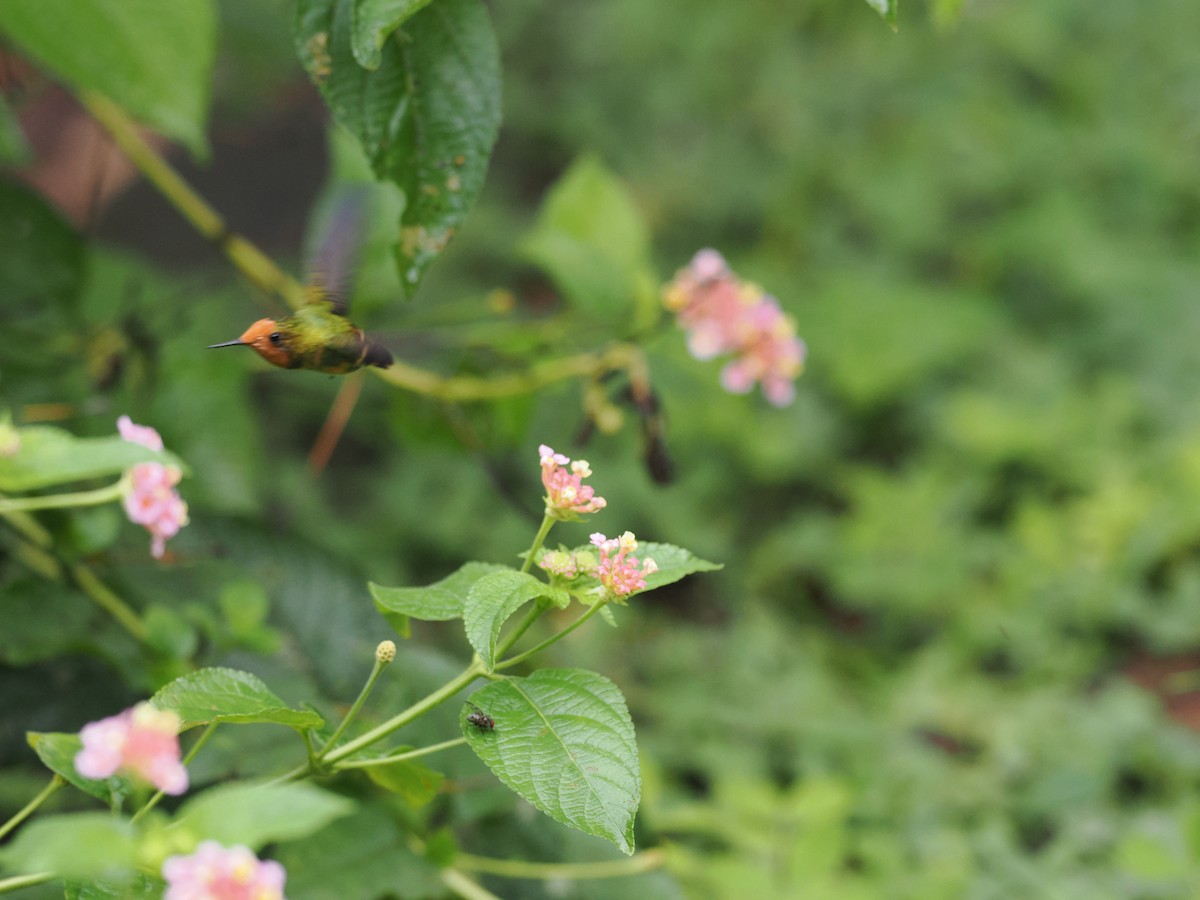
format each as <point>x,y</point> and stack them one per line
<point>953,652</point>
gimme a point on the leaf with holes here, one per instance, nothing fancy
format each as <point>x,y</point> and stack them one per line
<point>426,114</point>
<point>564,741</point>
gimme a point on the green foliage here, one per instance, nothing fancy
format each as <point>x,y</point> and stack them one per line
<point>438,602</point>
<point>591,239</point>
<point>490,602</point>
<point>258,814</point>
<point>81,845</point>
<point>156,62</point>
<point>887,9</point>
<point>427,112</point>
<point>57,752</point>
<point>374,22</point>
<point>564,741</point>
<point>955,569</point>
<point>51,456</point>
<point>227,695</point>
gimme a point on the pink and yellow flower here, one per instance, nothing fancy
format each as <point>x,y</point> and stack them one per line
<point>152,500</point>
<point>214,872</point>
<point>724,315</point>
<point>567,497</point>
<point>142,742</point>
<point>618,569</point>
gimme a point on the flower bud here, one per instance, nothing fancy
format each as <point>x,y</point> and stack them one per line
<point>385,652</point>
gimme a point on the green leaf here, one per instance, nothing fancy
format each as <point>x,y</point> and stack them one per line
<point>258,814</point>
<point>673,563</point>
<point>416,783</point>
<point>427,116</point>
<point>438,602</point>
<point>564,741</point>
<point>887,9</point>
<point>79,845</point>
<point>140,887</point>
<point>491,600</point>
<point>374,22</point>
<point>593,242</point>
<point>51,456</point>
<point>57,752</point>
<point>365,855</point>
<point>155,59</point>
<point>228,695</point>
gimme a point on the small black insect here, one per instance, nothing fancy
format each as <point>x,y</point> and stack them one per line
<point>480,719</point>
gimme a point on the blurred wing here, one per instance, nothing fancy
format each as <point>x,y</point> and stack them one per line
<point>331,272</point>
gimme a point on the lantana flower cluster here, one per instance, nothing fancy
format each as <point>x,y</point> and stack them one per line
<point>142,742</point>
<point>724,315</point>
<point>215,872</point>
<point>616,568</point>
<point>567,497</point>
<point>152,501</point>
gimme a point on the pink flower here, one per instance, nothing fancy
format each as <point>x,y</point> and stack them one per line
<point>139,434</point>
<point>142,741</point>
<point>560,562</point>
<point>618,569</point>
<point>566,495</point>
<point>152,501</point>
<point>724,315</point>
<point>214,872</point>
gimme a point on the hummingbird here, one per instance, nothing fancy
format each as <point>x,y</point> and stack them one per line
<point>319,335</point>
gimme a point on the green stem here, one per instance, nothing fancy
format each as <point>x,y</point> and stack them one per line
<point>107,494</point>
<point>411,754</point>
<point>28,809</point>
<point>34,552</point>
<point>28,526</point>
<point>517,868</point>
<point>355,707</point>
<point>538,540</point>
<point>191,754</point>
<point>465,887</point>
<point>538,648</point>
<point>252,262</point>
<point>109,602</point>
<point>22,881</point>
<point>441,695</point>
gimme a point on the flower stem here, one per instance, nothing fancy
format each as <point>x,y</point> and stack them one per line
<point>538,540</point>
<point>191,754</point>
<point>538,648</point>
<point>399,757</point>
<point>252,262</point>
<point>441,695</point>
<point>103,597</point>
<point>22,881</point>
<point>29,808</point>
<point>355,707</point>
<point>107,494</point>
<point>517,868</point>
<point>465,887</point>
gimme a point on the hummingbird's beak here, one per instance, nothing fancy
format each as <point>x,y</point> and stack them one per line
<point>236,343</point>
